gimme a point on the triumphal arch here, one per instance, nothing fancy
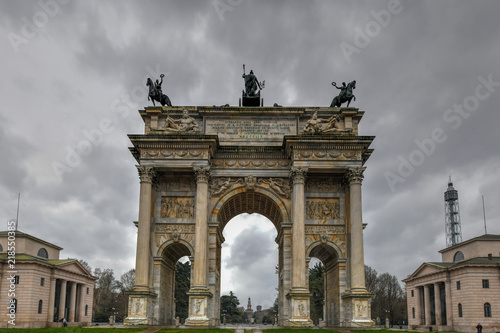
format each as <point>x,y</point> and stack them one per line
<point>301,167</point>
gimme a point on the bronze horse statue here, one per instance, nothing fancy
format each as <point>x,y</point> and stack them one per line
<point>155,93</point>
<point>345,95</point>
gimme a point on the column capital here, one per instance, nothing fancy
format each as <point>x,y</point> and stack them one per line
<point>202,173</point>
<point>146,173</point>
<point>355,175</point>
<point>298,174</point>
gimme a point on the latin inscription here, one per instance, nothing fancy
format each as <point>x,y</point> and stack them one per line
<point>263,128</point>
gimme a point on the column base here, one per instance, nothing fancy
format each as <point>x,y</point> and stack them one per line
<point>300,314</point>
<point>198,308</point>
<point>357,308</point>
<point>140,307</point>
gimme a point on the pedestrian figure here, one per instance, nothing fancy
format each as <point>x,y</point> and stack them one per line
<point>479,328</point>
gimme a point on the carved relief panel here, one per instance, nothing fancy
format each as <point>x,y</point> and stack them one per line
<point>177,207</point>
<point>323,209</point>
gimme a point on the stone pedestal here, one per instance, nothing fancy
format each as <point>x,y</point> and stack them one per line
<point>357,310</point>
<point>300,309</point>
<point>198,308</point>
<point>140,306</point>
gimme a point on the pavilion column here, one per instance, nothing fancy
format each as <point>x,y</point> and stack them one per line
<point>201,228</point>
<point>81,305</point>
<point>52,299</point>
<point>355,177</point>
<point>427,301</point>
<point>298,176</point>
<point>146,175</point>
<point>437,302</point>
<point>72,303</point>
<point>62,300</point>
<point>449,306</point>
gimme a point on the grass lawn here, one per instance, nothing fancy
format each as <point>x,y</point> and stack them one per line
<point>383,330</point>
<point>73,329</point>
<point>298,330</point>
<point>193,330</point>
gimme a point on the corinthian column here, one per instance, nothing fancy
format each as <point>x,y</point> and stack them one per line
<point>355,177</point>
<point>298,176</point>
<point>146,175</point>
<point>201,228</point>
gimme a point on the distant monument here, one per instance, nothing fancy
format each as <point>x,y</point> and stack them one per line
<point>249,311</point>
<point>345,94</point>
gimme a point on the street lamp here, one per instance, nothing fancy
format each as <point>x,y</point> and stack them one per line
<point>224,316</point>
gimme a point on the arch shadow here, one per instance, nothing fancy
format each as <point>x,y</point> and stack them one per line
<point>241,200</point>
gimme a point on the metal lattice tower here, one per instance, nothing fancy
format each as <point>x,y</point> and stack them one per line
<point>452,216</point>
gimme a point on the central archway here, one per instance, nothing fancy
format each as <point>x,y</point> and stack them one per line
<point>249,259</point>
<point>257,200</point>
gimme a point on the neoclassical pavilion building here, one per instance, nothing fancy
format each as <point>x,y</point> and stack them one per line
<point>301,167</point>
<point>42,288</point>
<point>459,292</point>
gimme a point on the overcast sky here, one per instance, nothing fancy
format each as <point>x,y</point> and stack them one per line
<point>428,77</point>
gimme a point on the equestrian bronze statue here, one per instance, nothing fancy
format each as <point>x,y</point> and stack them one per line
<point>345,94</point>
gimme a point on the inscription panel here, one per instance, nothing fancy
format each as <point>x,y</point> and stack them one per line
<point>253,129</point>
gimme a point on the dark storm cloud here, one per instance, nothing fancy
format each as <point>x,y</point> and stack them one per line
<point>90,60</point>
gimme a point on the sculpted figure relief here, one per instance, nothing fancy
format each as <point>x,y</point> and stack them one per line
<point>184,124</point>
<point>278,185</point>
<point>177,208</point>
<point>317,125</point>
<point>220,185</point>
<point>322,209</point>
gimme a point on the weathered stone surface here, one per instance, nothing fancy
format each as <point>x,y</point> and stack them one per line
<point>251,160</point>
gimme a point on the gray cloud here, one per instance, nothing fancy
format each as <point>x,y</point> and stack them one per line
<point>86,59</point>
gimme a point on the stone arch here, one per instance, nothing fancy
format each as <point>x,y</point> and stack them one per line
<point>263,201</point>
<point>322,250</point>
<point>174,248</point>
<point>164,266</point>
<point>241,200</point>
<point>334,263</point>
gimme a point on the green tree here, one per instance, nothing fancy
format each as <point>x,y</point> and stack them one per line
<point>182,285</point>
<point>85,265</point>
<point>126,283</point>
<point>229,307</point>
<point>105,291</point>
<point>389,299</point>
<point>316,288</point>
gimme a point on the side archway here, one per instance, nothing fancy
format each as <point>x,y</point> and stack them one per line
<point>334,270</point>
<point>165,261</point>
